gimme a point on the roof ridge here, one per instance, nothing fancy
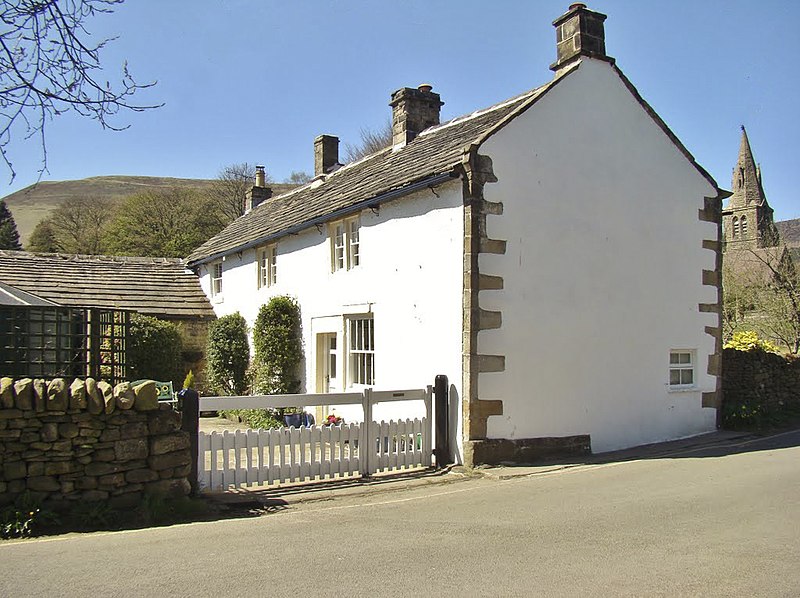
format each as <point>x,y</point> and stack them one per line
<point>89,257</point>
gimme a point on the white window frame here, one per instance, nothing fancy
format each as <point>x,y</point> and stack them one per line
<point>360,344</point>
<point>682,363</point>
<point>345,243</point>
<point>215,270</point>
<point>267,265</point>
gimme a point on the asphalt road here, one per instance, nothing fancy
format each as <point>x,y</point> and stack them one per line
<point>723,521</point>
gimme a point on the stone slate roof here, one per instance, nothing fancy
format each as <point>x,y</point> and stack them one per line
<point>154,286</point>
<point>18,298</point>
<point>435,151</point>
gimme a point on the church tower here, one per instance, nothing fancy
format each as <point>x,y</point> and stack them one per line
<point>747,221</point>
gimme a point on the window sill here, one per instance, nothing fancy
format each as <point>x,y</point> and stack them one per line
<point>217,299</point>
<point>679,389</point>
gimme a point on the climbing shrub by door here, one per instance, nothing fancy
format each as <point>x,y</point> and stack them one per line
<point>278,347</point>
<point>228,355</point>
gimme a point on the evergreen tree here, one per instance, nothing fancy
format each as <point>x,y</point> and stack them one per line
<point>9,237</point>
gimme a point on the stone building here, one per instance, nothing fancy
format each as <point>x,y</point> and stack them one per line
<point>159,287</point>
<point>556,255</point>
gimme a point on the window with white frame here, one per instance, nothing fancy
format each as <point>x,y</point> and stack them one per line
<point>345,248</point>
<point>681,369</point>
<point>216,278</point>
<point>267,266</point>
<point>361,350</point>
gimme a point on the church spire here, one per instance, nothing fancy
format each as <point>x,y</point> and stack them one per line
<point>747,221</point>
<point>746,182</point>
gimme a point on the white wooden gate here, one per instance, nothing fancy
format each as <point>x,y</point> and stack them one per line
<point>315,453</point>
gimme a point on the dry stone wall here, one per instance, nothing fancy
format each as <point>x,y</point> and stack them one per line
<point>757,377</point>
<point>88,441</point>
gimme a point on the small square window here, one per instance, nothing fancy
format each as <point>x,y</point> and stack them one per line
<point>681,369</point>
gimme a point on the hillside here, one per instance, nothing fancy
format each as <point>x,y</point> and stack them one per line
<point>34,203</point>
<point>789,230</point>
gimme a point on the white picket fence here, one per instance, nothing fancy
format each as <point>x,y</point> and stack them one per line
<point>315,453</point>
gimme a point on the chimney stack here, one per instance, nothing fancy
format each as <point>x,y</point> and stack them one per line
<point>326,154</point>
<point>579,32</point>
<point>413,111</point>
<point>259,192</point>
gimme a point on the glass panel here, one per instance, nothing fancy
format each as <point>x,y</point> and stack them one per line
<point>674,377</point>
<point>687,376</point>
<point>685,358</point>
<point>673,358</point>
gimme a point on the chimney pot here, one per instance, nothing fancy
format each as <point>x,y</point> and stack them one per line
<point>413,111</point>
<point>579,32</point>
<point>261,177</point>
<point>326,154</point>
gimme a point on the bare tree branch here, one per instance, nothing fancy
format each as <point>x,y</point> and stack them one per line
<point>48,67</point>
<point>372,141</point>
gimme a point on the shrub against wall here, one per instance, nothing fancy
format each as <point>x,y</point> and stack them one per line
<point>154,350</point>
<point>278,347</point>
<point>228,355</point>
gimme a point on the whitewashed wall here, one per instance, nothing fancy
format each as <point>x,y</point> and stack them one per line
<point>602,270</point>
<point>410,278</point>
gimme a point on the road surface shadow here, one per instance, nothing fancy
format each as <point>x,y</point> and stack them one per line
<point>713,445</point>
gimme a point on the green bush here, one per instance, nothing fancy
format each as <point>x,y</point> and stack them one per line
<point>228,355</point>
<point>154,350</point>
<point>257,419</point>
<point>278,348</point>
<point>747,340</point>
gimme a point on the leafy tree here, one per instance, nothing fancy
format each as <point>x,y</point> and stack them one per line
<point>762,293</point>
<point>372,140</point>
<point>43,237</point>
<point>278,347</point>
<point>154,350</point>
<point>161,223</point>
<point>49,66</point>
<point>9,237</point>
<point>228,355</point>
<point>227,193</point>
<point>76,226</point>
<point>298,178</point>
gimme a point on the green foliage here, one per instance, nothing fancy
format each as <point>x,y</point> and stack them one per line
<point>188,382</point>
<point>278,347</point>
<point>9,237</point>
<point>154,349</point>
<point>162,223</point>
<point>77,225</point>
<point>228,355</point>
<point>257,419</point>
<point>95,515</point>
<point>43,238</point>
<point>156,509</point>
<point>747,340</point>
<point>25,517</point>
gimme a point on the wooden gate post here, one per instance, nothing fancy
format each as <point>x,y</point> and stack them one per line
<point>367,448</point>
<point>441,391</point>
<point>190,422</point>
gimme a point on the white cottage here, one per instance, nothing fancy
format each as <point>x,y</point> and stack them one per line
<point>556,255</point>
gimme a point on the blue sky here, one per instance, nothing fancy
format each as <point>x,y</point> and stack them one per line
<point>256,81</point>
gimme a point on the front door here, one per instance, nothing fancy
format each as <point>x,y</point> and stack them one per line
<point>328,363</point>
